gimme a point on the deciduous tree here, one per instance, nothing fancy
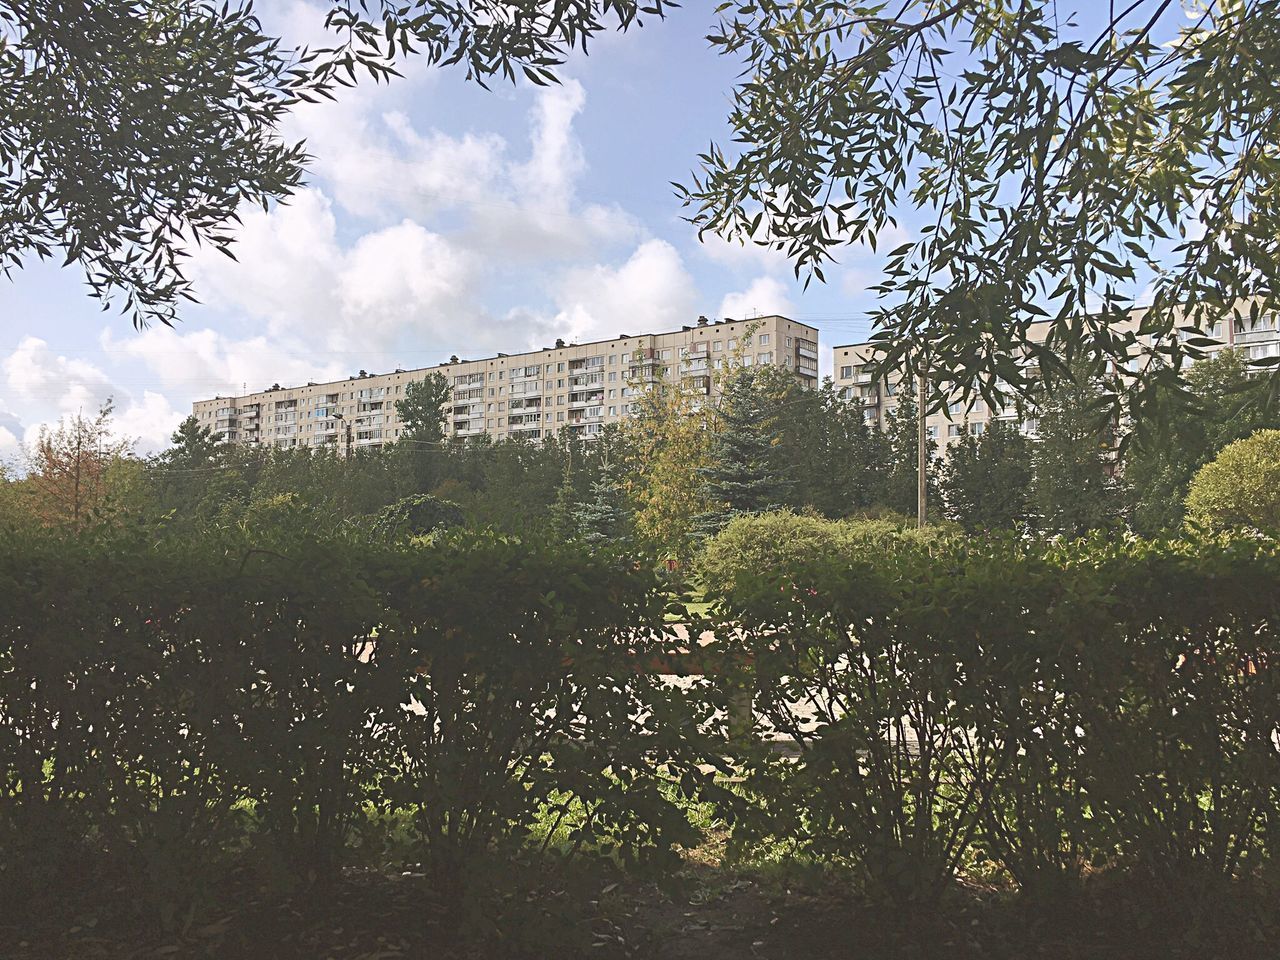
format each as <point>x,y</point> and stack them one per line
<point>1055,166</point>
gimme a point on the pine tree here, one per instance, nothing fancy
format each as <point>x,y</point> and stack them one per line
<point>743,475</point>
<point>604,517</point>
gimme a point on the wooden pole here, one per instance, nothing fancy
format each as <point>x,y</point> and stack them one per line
<point>922,463</point>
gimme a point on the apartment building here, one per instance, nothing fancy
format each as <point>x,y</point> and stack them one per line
<point>853,377</point>
<point>573,388</point>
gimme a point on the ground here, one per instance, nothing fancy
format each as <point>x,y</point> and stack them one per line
<point>706,910</point>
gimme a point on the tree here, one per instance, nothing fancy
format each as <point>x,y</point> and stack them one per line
<point>194,447</point>
<point>985,480</point>
<point>604,516</point>
<point>1227,404</point>
<point>1056,169</point>
<point>1073,490</point>
<point>1241,486</point>
<point>68,468</point>
<point>900,491</point>
<point>742,474</point>
<point>837,465</point>
<point>668,442</point>
<point>124,153</point>
<point>117,154</point>
<point>422,411</point>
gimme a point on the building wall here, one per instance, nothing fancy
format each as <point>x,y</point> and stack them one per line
<point>576,388</point>
<point>878,397</point>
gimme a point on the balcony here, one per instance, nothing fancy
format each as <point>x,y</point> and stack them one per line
<point>585,399</point>
<point>1261,335</point>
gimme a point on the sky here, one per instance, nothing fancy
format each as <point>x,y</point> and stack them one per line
<point>438,219</point>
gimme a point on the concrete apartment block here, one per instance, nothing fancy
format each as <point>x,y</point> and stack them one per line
<point>574,388</point>
<point>855,381</point>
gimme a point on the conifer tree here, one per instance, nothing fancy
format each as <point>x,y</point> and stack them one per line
<point>743,475</point>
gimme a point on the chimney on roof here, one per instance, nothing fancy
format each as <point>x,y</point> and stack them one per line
<point>702,321</point>
<point>454,359</point>
<point>559,343</point>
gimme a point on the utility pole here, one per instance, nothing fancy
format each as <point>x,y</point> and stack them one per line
<point>922,462</point>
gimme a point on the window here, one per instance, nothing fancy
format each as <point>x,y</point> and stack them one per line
<point>560,383</point>
<point>764,339</point>
<point>560,416</point>
<point>502,405</point>
<point>890,389</point>
<point>491,376</point>
<point>613,359</point>
<point>613,411</point>
<point>491,408</point>
<point>931,432</point>
<point>613,394</point>
<point>501,374</point>
<point>733,342</point>
<point>954,429</point>
<point>766,357</point>
<point>560,403</point>
<point>846,373</point>
<point>665,355</point>
<point>500,421</point>
<point>613,376</point>
<point>491,391</point>
<point>788,341</point>
<point>560,368</point>
<point>491,423</point>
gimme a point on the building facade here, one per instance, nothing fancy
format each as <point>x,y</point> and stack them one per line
<point>854,379</point>
<point>570,388</point>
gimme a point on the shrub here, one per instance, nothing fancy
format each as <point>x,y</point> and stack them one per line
<point>1088,704</point>
<point>753,542</point>
<point>1241,486</point>
<point>156,697</point>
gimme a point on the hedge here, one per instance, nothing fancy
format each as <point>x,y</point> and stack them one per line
<point>164,703</point>
<point>1062,707</point>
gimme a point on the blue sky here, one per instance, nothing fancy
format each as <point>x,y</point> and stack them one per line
<point>439,219</point>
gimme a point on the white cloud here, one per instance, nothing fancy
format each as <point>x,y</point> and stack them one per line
<point>46,387</point>
<point>651,290</point>
<point>556,160</point>
<point>38,377</point>
<point>764,296</point>
<point>198,364</point>
<point>150,421</point>
<point>744,256</point>
<point>292,273</point>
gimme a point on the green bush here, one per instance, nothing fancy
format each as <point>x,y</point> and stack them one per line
<point>165,704</point>
<point>753,542</point>
<point>1080,706</point>
<point>1241,486</point>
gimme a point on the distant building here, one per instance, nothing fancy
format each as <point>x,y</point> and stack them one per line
<point>854,380</point>
<point>573,388</point>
